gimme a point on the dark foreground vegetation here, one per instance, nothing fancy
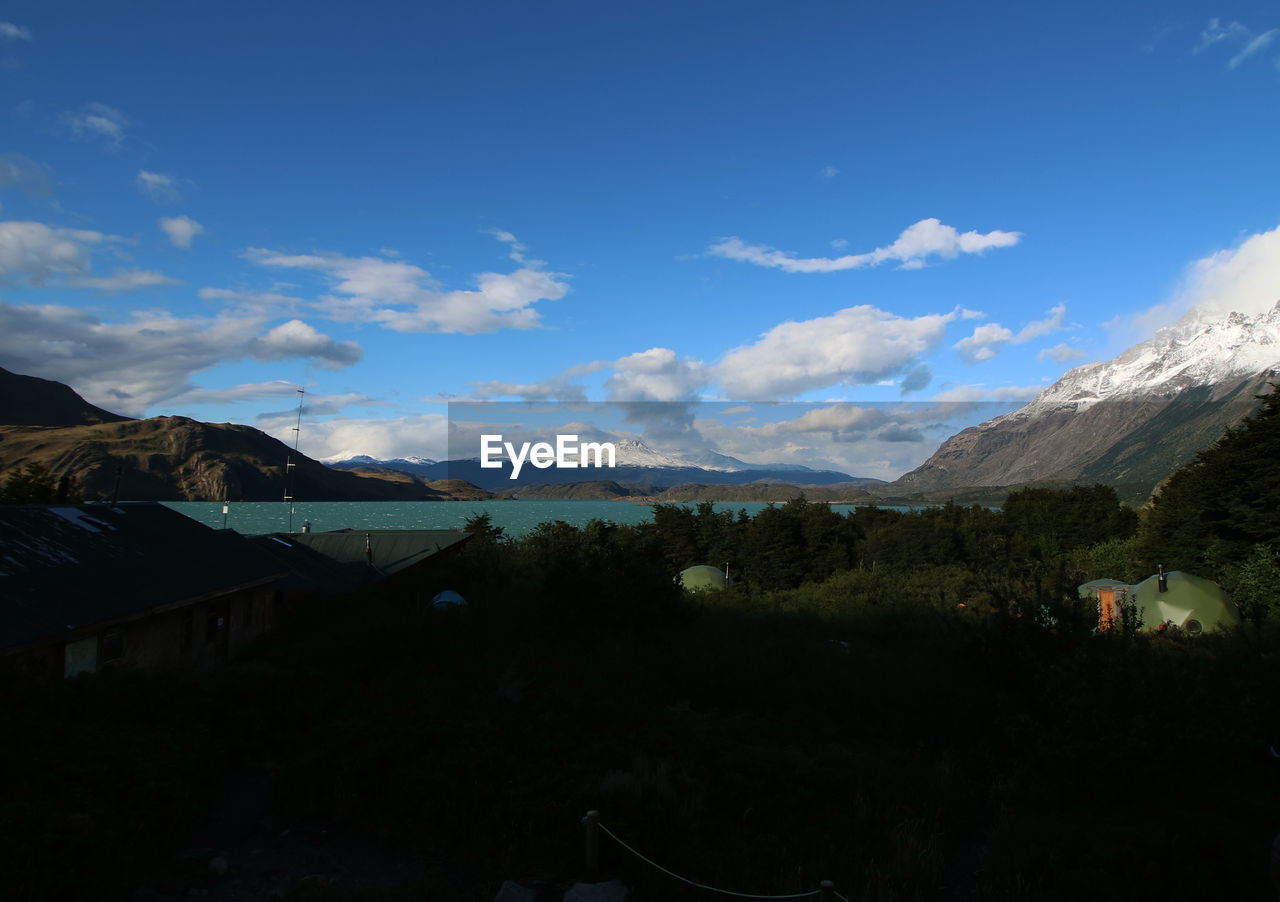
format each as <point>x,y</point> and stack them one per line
<point>911,705</point>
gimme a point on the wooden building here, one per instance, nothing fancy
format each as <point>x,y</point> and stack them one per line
<point>95,586</point>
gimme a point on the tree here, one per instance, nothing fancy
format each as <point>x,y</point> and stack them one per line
<point>482,529</point>
<point>1212,512</point>
<point>33,484</point>
<point>1254,584</point>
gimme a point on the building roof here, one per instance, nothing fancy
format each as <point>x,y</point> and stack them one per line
<point>389,550</point>
<point>307,570</point>
<point>66,568</point>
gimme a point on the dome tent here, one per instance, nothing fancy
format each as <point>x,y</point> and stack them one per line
<point>701,577</point>
<point>448,599</point>
<point>1190,602</point>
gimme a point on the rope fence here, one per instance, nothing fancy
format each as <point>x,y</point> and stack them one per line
<point>824,893</point>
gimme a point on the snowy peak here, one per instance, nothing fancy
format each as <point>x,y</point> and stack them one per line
<point>348,459</point>
<point>634,453</point>
<point>1192,352</point>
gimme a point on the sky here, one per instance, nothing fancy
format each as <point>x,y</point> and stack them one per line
<point>204,207</point>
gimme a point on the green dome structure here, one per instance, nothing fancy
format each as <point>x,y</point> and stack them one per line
<point>1191,602</point>
<point>702,577</point>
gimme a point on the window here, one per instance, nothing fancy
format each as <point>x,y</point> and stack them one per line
<point>212,624</point>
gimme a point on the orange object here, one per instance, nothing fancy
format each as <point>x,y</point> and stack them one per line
<point>1106,608</point>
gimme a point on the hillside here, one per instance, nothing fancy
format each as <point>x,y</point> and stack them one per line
<point>30,401</point>
<point>178,459</point>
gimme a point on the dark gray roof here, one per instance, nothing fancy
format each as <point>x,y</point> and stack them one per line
<point>63,568</point>
<point>308,571</point>
<point>393,550</point>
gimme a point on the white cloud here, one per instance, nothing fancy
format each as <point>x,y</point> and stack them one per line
<point>125,280</point>
<point>159,186</point>
<point>980,345</point>
<point>828,172</point>
<point>14,32</point>
<point>983,344</point>
<point>97,120</point>
<point>405,298</point>
<point>1052,323</point>
<point>1244,279</point>
<point>657,374</point>
<point>1061,353</point>
<point>517,249</point>
<point>251,300</point>
<point>917,243</point>
<point>560,387</point>
<point>145,360</point>
<point>25,174</point>
<point>424,435</point>
<point>1255,45</point>
<point>1215,33</point>
<point>1234,34</point>
<point>181,229</point>
<point>36,251</point>
<point>916,380</point>
<point>297,339</point>
<point>971,393</point>
<point>250,391</point>
<point>855,346</point>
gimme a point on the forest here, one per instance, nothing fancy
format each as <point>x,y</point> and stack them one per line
<point>913,705</point>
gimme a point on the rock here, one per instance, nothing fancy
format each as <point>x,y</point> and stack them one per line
<point>611,891</point>
<point>510,891</point>
<point>218,866</point>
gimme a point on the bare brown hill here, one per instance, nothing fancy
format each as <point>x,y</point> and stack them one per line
<point>31,401</point>
<point>178,459</point>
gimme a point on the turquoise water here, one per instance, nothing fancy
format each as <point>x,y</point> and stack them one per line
<point>516,517</point>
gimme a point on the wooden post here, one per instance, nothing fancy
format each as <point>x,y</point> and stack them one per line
<point>592,823</point>
<point>826,891</point>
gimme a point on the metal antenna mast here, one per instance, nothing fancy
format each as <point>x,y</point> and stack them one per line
<point>289,467</point>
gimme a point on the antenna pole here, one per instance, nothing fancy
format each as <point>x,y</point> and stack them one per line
<point>290,465</point>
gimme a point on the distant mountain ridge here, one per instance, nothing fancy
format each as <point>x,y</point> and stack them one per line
<point>636,464</point>
<point>1128,422</point>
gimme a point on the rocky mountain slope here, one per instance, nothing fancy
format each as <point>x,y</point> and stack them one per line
<point>1127,422</point>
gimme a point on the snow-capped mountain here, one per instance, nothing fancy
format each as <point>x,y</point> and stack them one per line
<point>634,453</point>
<point>1192,352</point>
<point>349,461</point>
<point>1128,422</point>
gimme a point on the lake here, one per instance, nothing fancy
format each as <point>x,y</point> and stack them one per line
<point>516,517</point>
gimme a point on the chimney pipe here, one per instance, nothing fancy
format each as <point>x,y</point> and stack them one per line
<point>1162,580</point>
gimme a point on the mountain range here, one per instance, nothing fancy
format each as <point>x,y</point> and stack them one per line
<point>637,464</point>
<point>1128,422</point>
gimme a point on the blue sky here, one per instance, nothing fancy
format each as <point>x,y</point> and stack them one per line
<point>205,206</point>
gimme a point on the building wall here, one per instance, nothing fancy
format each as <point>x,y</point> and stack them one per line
<point>196,636</point>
